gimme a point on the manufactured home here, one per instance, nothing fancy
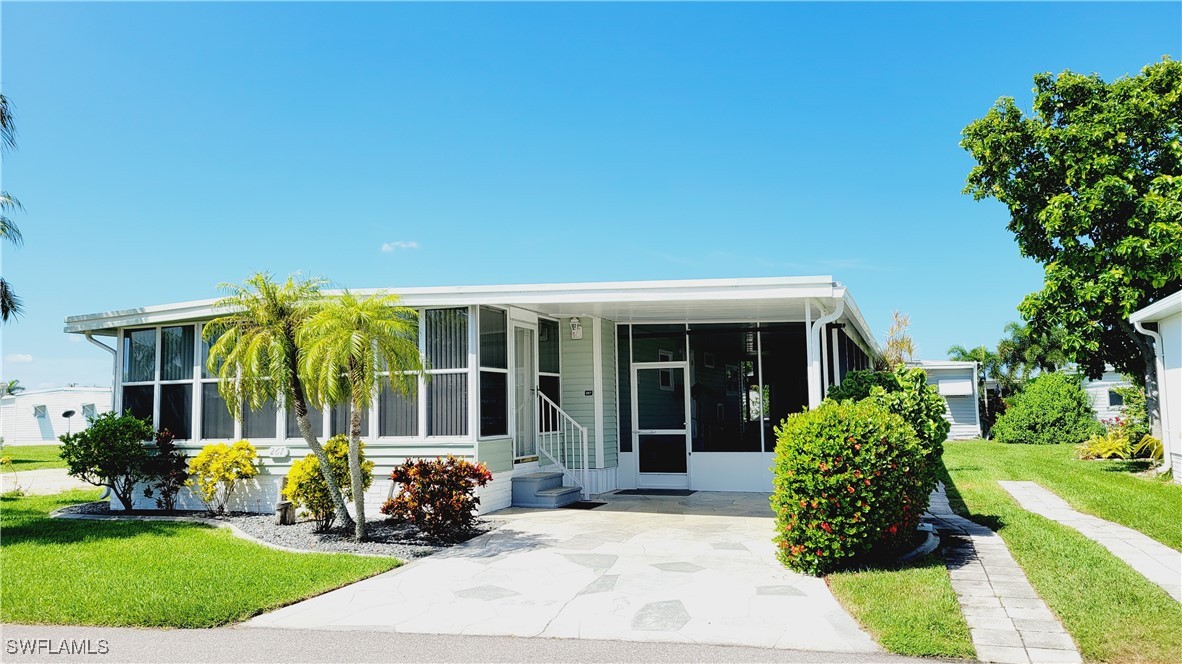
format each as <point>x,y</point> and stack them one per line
<point>959,386</point>
<point>565,390</point>
<point>1162,321</point>
<point>38,417</point>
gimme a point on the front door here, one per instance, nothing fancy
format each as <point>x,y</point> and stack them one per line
<point>525,376</point>
<point>660,424</point>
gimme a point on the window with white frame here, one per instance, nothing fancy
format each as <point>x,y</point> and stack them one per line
<point>216,421</point>
<point>88,411</point>
<point>158,373</point>
<point>549,360</point>
<point>445,337</point>
<point>666,375</point>
<point>494,372</point>
<point>40,411</point>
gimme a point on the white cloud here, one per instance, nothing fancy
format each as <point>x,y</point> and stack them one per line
<point>18,358</point>
<point>388,247</point>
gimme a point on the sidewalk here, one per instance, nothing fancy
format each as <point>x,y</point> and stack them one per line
<point>1154,560</point>
<point>41,482</point>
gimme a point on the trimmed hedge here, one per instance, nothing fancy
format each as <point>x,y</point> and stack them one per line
<point>845,484</point>
<point>1053,408</point>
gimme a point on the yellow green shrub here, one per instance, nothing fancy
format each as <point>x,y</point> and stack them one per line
<point>307,489</point>
<point>217,469</point>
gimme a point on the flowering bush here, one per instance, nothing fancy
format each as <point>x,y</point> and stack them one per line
<point>437,495</point>
<point>168,471</point>
<point>845,484</point>
<point>906,393</point>
<point>217,469</point>
<point>308,490</point>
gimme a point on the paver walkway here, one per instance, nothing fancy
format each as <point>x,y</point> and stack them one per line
<point>1008,621</point>
<point>698,569</point>
<point>41,482</point>
<point>1154,560</point>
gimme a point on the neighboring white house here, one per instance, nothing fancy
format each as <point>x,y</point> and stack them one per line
<point>1105,401</point>
<point>1163,321</point>
<point>35,417</point>
<point>957,382</point>
<point>654,384</point>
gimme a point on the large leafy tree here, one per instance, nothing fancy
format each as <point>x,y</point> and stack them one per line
<point>1093,183</point>
<point>255,356</point>
<point>350,348</point>
<point>10,303</point>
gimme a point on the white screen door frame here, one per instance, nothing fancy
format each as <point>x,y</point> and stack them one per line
<point>666,436</point>
<point>523,395</point>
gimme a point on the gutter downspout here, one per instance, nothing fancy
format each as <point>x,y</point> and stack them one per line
<point>1159,366</point>
<point>814,331</point>
<point>114,358</point>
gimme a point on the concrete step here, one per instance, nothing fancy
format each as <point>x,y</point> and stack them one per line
<point>542,489</point>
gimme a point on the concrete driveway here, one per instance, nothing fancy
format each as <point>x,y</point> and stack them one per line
<point>696,569</point>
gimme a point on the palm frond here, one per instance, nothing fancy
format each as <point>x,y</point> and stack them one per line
<point>10,304</point>
<point>7,125</point>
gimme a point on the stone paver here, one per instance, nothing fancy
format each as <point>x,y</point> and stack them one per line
<point>1008,622</point>
<point>41,482</point>
<point>1154,560</point>
<point>695,569</point>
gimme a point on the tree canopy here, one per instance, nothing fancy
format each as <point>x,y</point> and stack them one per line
<point>1093,183</point>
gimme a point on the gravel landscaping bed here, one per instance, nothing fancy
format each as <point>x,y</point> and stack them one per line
<point>386,537</point>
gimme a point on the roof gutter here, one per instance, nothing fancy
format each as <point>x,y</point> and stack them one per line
<point>1159,369</point>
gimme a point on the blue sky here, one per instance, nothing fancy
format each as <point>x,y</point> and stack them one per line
<point>166,148</point>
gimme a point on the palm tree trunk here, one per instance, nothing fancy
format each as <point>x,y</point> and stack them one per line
<point>301,410</point>
<point>355,470</point>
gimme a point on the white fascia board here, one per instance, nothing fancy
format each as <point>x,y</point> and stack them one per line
<point>585,293</point>
<point>1163,308</point>
<point>854,314</point>
<point>943,364</point>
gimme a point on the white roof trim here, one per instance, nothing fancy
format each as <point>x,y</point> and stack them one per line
<point>1163,308</point>
<point>690,290</point>
<point>943,364</point>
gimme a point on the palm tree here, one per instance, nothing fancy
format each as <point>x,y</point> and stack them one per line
<point>256,358</point>
<point>346,345</point>
<point>10,303</point>
<point>12,387</point>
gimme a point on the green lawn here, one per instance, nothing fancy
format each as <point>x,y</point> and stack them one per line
<point>910,610</point>
<point>1114,614</point>
<point>33,457</point>
<point>149,574</point>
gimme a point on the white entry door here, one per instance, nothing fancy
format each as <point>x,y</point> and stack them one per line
<point>660,424</point>
<point>525,378</point>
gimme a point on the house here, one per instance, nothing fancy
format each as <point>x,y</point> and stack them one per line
<point>37,417</point>
<point>1107,403</point>
<point>957,382</point>
<point>589,386</point>
<point>1162,321</point>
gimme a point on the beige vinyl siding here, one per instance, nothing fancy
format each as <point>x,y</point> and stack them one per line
<point>608,388</point>
<point>578,378</point>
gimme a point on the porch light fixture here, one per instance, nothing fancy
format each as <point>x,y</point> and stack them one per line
<point>576,329</point>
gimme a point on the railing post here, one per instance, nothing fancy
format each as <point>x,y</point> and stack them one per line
<point>586,491</point>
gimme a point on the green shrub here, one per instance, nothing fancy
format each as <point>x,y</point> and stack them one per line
<point>437,495</point>
<point>1053,408</point>
<point>905,392</point>
<point>846,478</point>
<point>1134,416</point>
<point>217,469</point>
<point>110,452</point>
<point>307,489</point>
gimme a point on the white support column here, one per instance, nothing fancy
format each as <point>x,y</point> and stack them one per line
<point>824,359</point>
<point>811,361</point>
<point>836,356</point>
<point>597,386</point>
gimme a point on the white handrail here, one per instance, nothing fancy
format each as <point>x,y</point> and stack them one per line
<point>563,441</point>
